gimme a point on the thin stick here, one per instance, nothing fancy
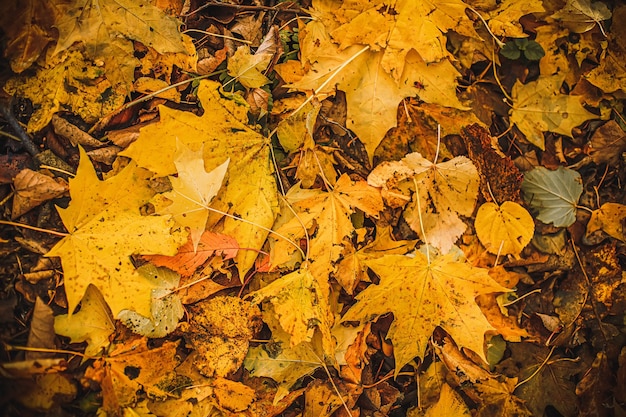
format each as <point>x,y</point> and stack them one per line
<point>332,381</point>
<point>498,41</point>
<point>510,303</point>
<point>419,213</point>
<point>223,213</point>
<point>37,229</point>
<point>538,369</point>
<point>217,35</point>
<point>62,171</point>
<point>8,347</point>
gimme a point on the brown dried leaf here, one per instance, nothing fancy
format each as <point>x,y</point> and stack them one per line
<point>608,143</point>
<point>64,128</point>
<point>41,333</point>
<point>33,188</point>
<point>497,171</point>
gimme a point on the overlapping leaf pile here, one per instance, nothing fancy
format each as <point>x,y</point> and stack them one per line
<point>326,220</point>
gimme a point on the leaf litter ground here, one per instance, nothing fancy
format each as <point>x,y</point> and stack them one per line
<point>377,208</point>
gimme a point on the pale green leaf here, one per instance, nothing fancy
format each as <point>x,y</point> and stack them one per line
<point>553,194</point>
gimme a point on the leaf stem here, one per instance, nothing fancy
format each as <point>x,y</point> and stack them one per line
<point>217,35</point>
<point>37,229</point>
<point>419,213</point>
<point>498,41</point>
<point>223,213</point>
<point>438,143</point>
<point>583,208</point>
<point>537,370</point>
<point>332,75</point>
<point>510,303</point>
<point>9,348</point>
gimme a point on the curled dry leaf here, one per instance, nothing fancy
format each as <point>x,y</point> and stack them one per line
<point>33,188</point>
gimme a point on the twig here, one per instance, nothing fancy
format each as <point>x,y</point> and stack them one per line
<point>243,8</point>
<point>37,229</point>
<point>24,138</point>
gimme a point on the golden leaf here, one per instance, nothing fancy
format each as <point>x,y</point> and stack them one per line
<point>105,228</point>
<point>300,302</point>
<point>329,213</point>
<point>193,190</point>
<point>445,191</point>
<point>250,192</point>
<point>92,324</point>
<point>504,229</point>
<point>539,107</point>
<point>423,295</point>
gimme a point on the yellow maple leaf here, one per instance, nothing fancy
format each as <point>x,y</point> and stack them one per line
<point>285,365</point>
<point>133,367</point>
<point>539,107</point>
<point>450,404</point>
<point>107,29</point>
<point>446,191</point>
<point>247,68</point>
<point>193,190</point>
<point>401,26</point>
<point>422,295</point>
<point>68,83</point>
<point>301,304</point>
<point>250,192</point>
<point>504,229</point>
<point>93,323</point>
<point>328,213</point>
<point>105,228</point>
<point>374,74</point>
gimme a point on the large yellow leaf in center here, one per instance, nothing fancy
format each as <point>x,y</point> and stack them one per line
<point>423,295</point>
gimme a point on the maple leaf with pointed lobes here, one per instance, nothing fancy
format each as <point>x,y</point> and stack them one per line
<point>374,78</point>
<point>250,192</point>
<point>105,228</point>
<point>193,190</point>
<point>539,107</point>
<point>107,29</point>
<point>330,213</point>
<point>423,295</point>
<point>300,301</point>
<point>401,26</point>
<point>441,193</point>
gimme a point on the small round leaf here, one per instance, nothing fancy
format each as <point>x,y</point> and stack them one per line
<point>504,229</point>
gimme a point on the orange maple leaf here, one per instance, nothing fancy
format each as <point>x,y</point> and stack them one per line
<point>186,261</point>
